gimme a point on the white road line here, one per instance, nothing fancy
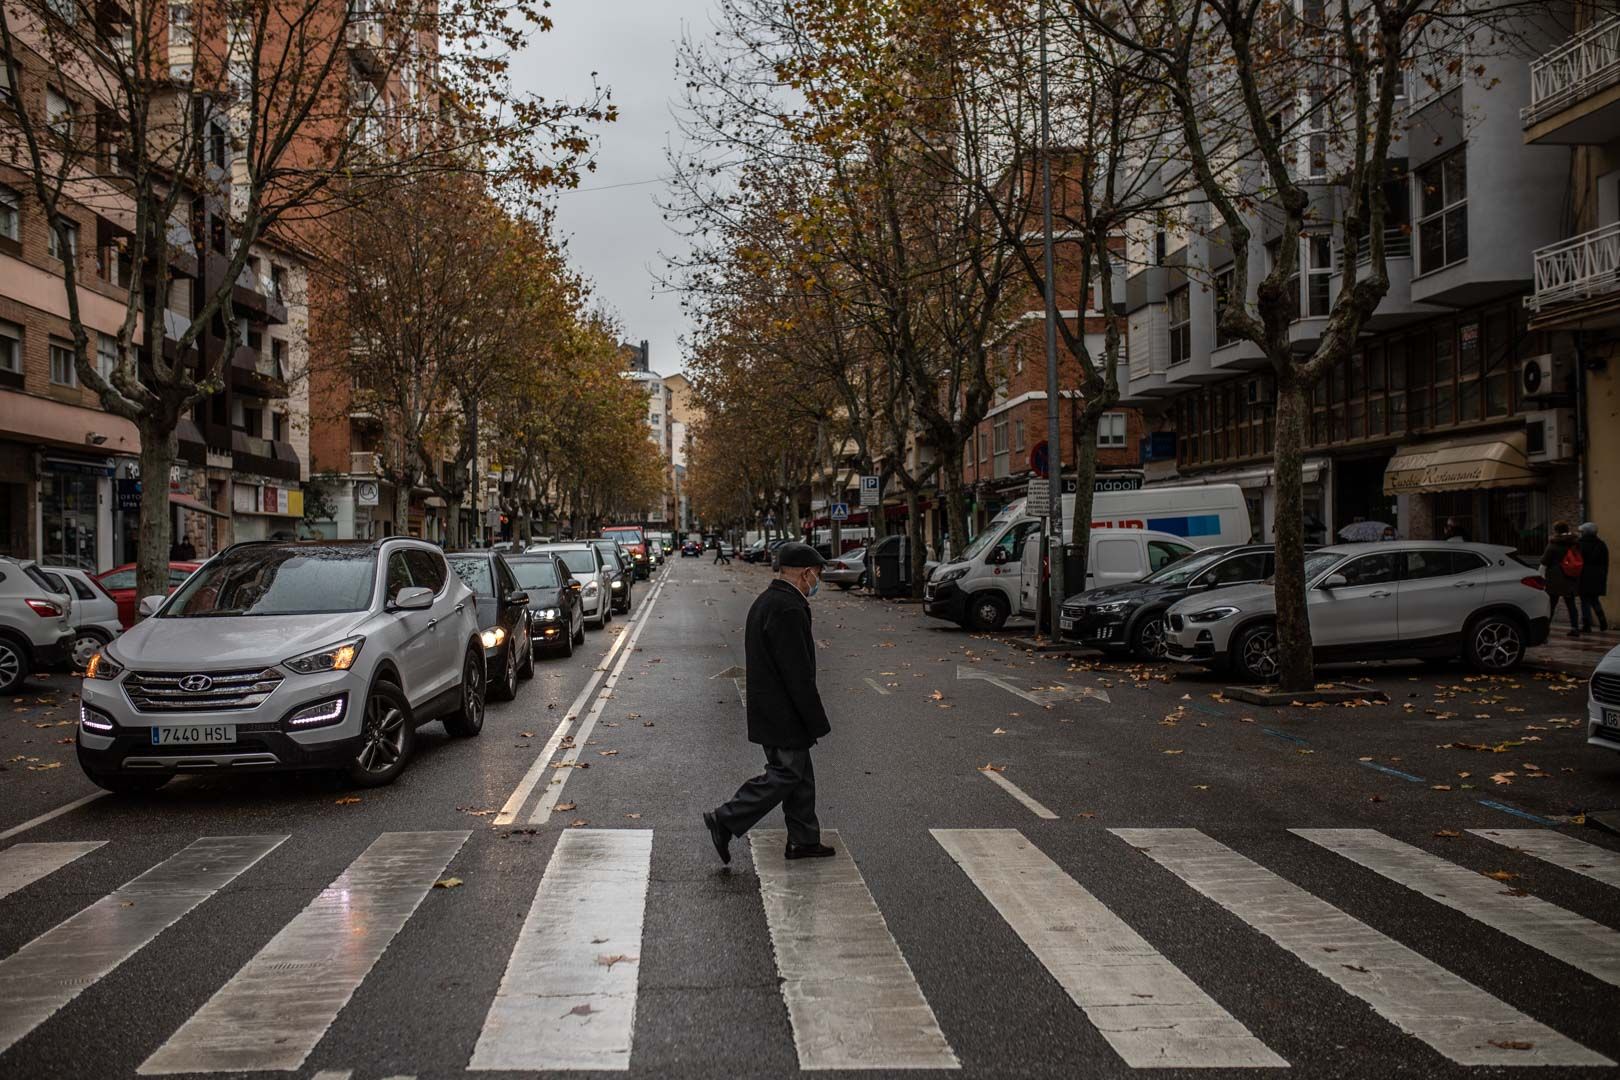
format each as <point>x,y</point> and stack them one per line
<point>963,672</point>
<point>50,815</point>
<point>1577,941</point>
<point>1018,793</point>
<point>568,997</point>
<point>1577,856</point>
<point>25,864</point>
<point>851,998</point>
<point>298,983</point>
<point>549,797</point>
<point>333,1074</point>
<point>1153,1015</point>
<point>874,685</point>
<point>520,794</point>
<point>51,970</point>
<point>1459,1020</point>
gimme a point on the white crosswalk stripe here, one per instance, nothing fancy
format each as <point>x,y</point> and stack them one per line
<point>1575,940</point>
<point>1577,856</point>
<point>1450,1014</point>
<point>850,994</point>
<point>25,864</point>
<point>298,983</point>
<point>568,997</point>
<point>1150,1013</point>
<point>51,970</point>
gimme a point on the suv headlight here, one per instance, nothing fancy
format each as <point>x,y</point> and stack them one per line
<point>542,614</point>
<point>949,575</point>
<point>1112,609</point>
<point>1214,614</point>
<point>618,584</point>
<point>339,656</point>
<point>493,637</point>
<point>102,666</point>
<point>590,588</point>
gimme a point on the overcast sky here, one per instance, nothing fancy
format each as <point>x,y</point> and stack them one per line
<point>615,234</point>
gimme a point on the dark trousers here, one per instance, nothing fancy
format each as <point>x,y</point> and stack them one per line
<point>789,779</point>
<point>1568,599</point>
<point>1593,606</point>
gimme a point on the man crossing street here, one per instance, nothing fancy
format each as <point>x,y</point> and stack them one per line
<point>785,714</point>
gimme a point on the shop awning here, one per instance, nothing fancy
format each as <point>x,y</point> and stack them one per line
<point>1460,465</point>
<point>189,503</point>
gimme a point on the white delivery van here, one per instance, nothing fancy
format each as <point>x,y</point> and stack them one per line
<point>985,584</point>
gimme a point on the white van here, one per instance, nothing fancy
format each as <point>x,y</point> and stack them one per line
<point>988,582</point>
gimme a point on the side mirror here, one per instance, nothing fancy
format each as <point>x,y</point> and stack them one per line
<point>1334,581</point>
<point>519,598</point>
<point>412,598</point>
<point>999,557</point>
<point>150,604</point>
<point>573,584</point>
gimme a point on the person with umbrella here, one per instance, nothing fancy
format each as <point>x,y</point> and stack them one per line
<point>1362,531</point>
<point>785,714</point>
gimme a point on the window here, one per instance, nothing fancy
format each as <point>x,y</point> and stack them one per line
<point>63,372</point>
<point>1018,435</point>
<point>427,568</point>
<point>1319,271</point>
<point>1111,431</point>
<point>1225,286</point>
<point>999,435</point>
<point>1161,244</point>
<point>10,347</point>
<point>106,354</point>
<point>1161,553</point>
<point>180,26</point>
<point>1372,570</point>
<point>1180,325</point>
<point>53,239</point>
<point>1316,141</point>
<point>10,214</point>
<point>5,78</point>
<point>66,10</point>
<point>984,447</point>
<point>58,114</point>
<point>1251,566</point>
<point>1433,564</point>
<point>1443,205</point>
<point>1013,542</point>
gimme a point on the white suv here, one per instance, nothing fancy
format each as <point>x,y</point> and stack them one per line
<point>35,630</point>
<point>1374,602</point>
<point>1603,703</point>
<point>281,655</point>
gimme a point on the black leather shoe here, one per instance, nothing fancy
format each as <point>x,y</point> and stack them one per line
<point>720,835</point>
<point>808,851</point>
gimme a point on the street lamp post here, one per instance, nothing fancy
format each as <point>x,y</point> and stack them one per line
<point>1054,444</point>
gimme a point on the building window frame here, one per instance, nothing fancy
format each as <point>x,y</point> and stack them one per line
<point>1111,430</point>
<point>1179,304</point>
<point>106,354</point>
<point>1319,275</point>
<point>1442,202</point>
<point>1225,285</point>
<point>10,214</point>
<point>64,369</point>
<point>11,347</point>
<point>53,243</point>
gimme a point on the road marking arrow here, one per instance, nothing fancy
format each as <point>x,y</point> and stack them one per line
<point>965,672</point>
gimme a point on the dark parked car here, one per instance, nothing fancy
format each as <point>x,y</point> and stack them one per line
<point>503,622</point>
<point>620,573</point>
<point>1117,618</point>
<point>556,618</point>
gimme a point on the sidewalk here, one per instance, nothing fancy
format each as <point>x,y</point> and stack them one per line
<point>1578,656</point>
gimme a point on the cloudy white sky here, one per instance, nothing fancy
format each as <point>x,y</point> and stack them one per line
<point>616,233</point>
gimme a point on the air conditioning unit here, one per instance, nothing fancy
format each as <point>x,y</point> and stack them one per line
<point>1550,435</point>
<point>1544,375</point>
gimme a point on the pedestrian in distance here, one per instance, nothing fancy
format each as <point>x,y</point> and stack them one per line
<point>1561,565</point>
<point>1594,578</point>
<point>785,715</point>
<point>720,556</point>
<point>1454,531</point>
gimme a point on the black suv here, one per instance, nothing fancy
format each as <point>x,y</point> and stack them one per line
<point>1130,617</point>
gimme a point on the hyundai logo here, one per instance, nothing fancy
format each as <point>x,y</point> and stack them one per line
<point>196,684</point>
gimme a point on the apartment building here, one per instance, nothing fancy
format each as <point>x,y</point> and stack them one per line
<point>684,414</point>
<point>1574,103</point>
<point>637,367</point>
<point>1456,403</point>
<point>69,478</point>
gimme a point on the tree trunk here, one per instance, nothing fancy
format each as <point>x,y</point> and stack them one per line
<point>154,536</point>
<point>1296,670</point>
<point>955,504</point>
<point>919,553</point>
<point>1085,483</point>
<point>402,507</point>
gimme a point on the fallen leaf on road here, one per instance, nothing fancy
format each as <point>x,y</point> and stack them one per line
<point>57,765</point>
<point>1502,875</point>
<point>937,695</point>
<point>1375,798</point>
<point>577,823</point>
<point>633,817</point>
<point>989,767</point>
<point>1354,967</point>
<point>1464,775</point>
<point>1512,1044</point>
<point>347,800</point>
<point>566,806</point>
<point>1200,787</point>
<point>525,734</point>
<point>447,883</point>
<point>1364,759</point>
<point>1505,778</point>
<point>617,958</point>
<point>579,1010</point>
<point>1175,751</point>
<point>646,723</point>
<point>999,731</point>
<point>1439,787</point>
<point>607,753</point>
<point>1304,751</point>
<point>1447,833</point>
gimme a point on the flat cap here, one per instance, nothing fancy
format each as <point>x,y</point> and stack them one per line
<point>794,555</point>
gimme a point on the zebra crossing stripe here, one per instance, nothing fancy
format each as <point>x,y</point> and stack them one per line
<point>1458,1019</point>
<point>1150,1013</point>
<point>1564,935</point>
<point>1576,856</point>
<point>851,998</point>
<point>568,997</point>
<point>51,970</point>
<point>24,864</point>
<point>273,1011</point>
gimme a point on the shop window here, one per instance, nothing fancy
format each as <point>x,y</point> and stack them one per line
<point>63,371</point>
<point>1111,431</point>
<point>1443,202</point>
<point>1180,325</point>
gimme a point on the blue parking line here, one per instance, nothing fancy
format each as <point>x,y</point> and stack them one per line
<point>1284,735</point>
<point>1390,771</point>
<point>1516,812</point>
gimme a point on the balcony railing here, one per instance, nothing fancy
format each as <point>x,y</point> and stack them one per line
<point>1577,269</point>
<point>1397,245</point>
<point>1580,67</point>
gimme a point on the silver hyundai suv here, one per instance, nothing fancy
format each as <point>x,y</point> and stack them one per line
<point>1404,598</point>
<point>281,655</point>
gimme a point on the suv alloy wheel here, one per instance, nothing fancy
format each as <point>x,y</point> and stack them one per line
<point>387,737</point>
<point>1147,640</point>
<point>1255,653</point>
<point>1495,642</point>
<point>13,665</point>
<point>468,719</point>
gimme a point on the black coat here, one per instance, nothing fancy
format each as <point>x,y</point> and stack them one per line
<point>1595,566</point>
<point>784,707</point>
<point>1552,567</point>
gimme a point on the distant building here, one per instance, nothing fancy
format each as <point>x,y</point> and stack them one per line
<point>638,366</point>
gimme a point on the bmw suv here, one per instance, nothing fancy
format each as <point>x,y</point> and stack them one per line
<point>280,655</point>
<point>1375,602</point>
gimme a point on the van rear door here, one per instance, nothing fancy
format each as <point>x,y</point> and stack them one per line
<point>1029,583</point>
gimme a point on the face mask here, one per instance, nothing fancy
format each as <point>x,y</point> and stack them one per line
<point>815,587</point>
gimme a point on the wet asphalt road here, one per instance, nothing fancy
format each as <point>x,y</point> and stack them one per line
<point>918,731</point>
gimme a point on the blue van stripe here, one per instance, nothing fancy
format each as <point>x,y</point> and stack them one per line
<point>1190,525</point>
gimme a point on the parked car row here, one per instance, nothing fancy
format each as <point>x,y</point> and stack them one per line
<point>320,655</point>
